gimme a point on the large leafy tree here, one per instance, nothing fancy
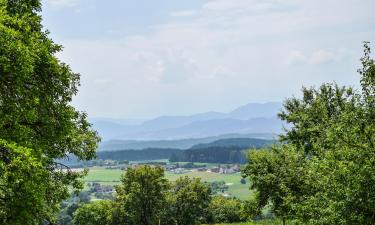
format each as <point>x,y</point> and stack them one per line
<point>97,212</point>
<point>324,170</point>
<point>35,114</point>
<point>141,197</point>
<point>188,202</point>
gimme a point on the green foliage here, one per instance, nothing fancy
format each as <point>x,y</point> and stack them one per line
<point>187,202</point>
<point>219,187</point>
<point>323,172</point>
<point>23,182</point>
<point>97,212</point>
<point>35,114</point>
<point>225,210</point>
<point>142,194</point>
<point>250,210</point>
<point>231,210</point>
<point>278,176</point>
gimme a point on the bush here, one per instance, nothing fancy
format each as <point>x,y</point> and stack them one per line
<point>225,210</point>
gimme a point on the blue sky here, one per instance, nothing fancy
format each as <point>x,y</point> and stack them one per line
<point>145,58</point>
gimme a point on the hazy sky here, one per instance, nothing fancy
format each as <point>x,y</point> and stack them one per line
<point>144,58</point>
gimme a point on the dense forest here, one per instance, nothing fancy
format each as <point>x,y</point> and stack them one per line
<point>211,155</point>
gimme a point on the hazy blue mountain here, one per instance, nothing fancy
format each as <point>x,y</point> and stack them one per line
<point>108,130</point>
<point>165,122</point>
<point>250,118</point>
<point>114,145</point>
<point>218,127</point>
<point>256,110</point>
<point>126,122</point>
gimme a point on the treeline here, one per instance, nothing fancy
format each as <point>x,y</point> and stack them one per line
<point>138,155</point>
<point>206,155</point>
<point>232,150</point>
<point>236,142</point>
<point>146,197</point>
<point>211,155</point>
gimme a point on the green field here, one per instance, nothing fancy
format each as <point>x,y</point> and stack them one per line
<point>236,189</point>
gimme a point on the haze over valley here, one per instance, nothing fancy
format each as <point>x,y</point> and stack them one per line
<point>253,120</point>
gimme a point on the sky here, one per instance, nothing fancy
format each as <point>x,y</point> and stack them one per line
<point>146,58</point>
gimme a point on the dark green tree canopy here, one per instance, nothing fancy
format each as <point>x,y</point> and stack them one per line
<point>36,89</point>
<point>188,201</point>
<point>141,195</point>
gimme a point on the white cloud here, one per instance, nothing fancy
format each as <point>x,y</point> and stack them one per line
<point>185,13</point>
<point>225,5</point>
<point>62,3</point>
<point>316,57</point>
<point>225,53</point>
<point>322,56</point>
<point>295,57</point>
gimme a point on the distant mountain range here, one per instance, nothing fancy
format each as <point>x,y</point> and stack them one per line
<point>116,145</point>
<point>253,118</point>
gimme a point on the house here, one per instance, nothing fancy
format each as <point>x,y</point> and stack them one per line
<point>215,170</point>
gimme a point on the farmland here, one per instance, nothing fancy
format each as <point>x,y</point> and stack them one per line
<point>235,188</point>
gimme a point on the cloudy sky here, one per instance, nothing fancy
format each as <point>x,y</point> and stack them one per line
<point>145,58</point>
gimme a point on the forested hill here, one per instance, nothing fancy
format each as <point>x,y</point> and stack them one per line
<point>236,142</point>
<point>139,155</point>
<point>115,145</point>
<point>222,151</point>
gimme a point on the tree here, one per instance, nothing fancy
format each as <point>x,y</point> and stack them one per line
<point>225,210</point>
<point>97,212</point>
<point>277,176</point>
<point>35,114</point>
<point>323,172</point>
<point>142,194</point>
<point>23,184</point>
<point>188,201</point>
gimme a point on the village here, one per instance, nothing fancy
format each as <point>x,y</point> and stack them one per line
<point>177,168</point>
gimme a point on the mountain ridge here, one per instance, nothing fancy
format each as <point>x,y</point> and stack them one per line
<point>249,118</point>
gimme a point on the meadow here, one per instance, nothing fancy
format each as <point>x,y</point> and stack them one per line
<point>236,189</point>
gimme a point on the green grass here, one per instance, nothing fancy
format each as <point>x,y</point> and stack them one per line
<point>102,175</point>
<point>236,189</point>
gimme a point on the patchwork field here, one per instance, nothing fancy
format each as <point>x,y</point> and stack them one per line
<point>236,189</point>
